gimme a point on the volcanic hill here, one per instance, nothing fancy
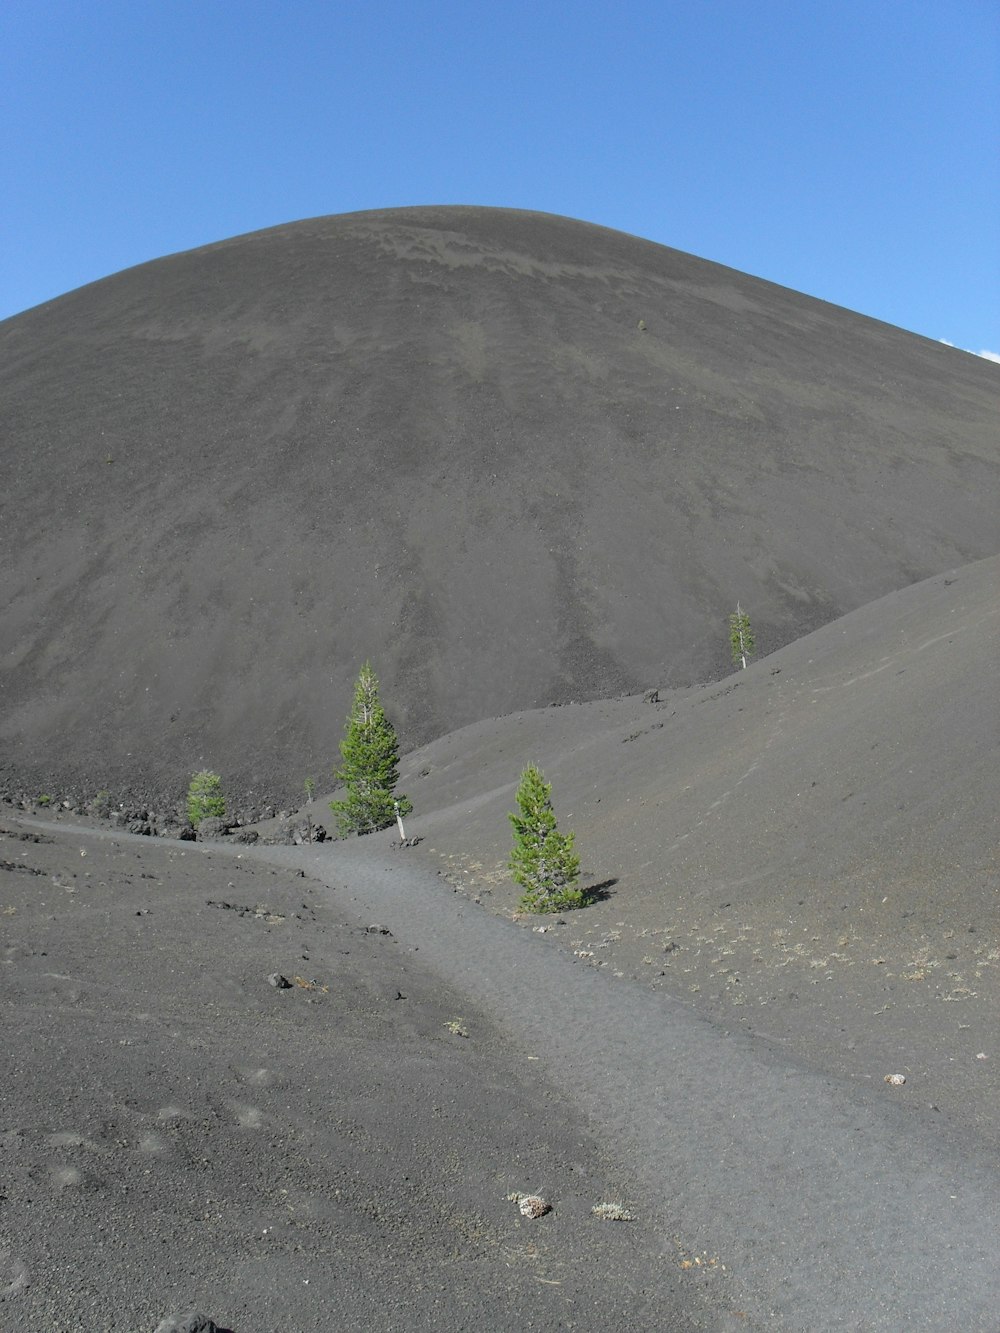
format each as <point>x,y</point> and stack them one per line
<point>511,458</point>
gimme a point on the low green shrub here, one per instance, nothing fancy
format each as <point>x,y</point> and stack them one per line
<point>204,798</point>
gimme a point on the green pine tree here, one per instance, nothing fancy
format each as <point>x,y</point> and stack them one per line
<point>204,798</point>
<point>542,861</point>
<point>741,636</point>
<point>370,767</point>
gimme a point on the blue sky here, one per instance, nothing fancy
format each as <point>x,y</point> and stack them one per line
<point>848,150</point>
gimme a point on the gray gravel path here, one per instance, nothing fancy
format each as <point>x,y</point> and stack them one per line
<point>818,1207</point>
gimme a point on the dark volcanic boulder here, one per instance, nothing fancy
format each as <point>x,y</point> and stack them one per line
<point>212,828</point>
<point>193,1322</point>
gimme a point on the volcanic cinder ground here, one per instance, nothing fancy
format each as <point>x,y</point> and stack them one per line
<point>514,460</point>
<point>517,462</point>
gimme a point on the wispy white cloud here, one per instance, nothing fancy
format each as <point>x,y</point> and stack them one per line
<point>986,355</point>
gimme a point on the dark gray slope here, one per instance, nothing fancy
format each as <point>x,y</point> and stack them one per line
<point>807,850</point>
<point>861,754</point>
<point>512,458</point>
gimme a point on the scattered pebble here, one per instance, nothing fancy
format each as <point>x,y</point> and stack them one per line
<point>533,1205</point>
<point>278,981</point>
<point>13,1275</point>
<point>895,1080</point>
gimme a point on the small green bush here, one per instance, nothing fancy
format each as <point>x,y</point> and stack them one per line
<point>741,638</point>
<point>204,798</point>
<point>101,805</point>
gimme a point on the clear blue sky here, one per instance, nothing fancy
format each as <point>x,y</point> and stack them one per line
<point>845,148</point>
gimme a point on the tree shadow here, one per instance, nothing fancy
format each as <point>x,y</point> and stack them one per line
<point>600,893</point>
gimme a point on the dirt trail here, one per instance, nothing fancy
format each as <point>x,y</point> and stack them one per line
<point>819,1207</point>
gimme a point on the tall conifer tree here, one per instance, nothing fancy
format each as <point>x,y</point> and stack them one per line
<point>542,861</point>
<point>370,767</point>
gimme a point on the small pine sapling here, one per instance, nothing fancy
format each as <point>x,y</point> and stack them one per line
<point>542,860</point>
<point>741,636</point>
<point>370,767</point>
<point>204,798</point>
